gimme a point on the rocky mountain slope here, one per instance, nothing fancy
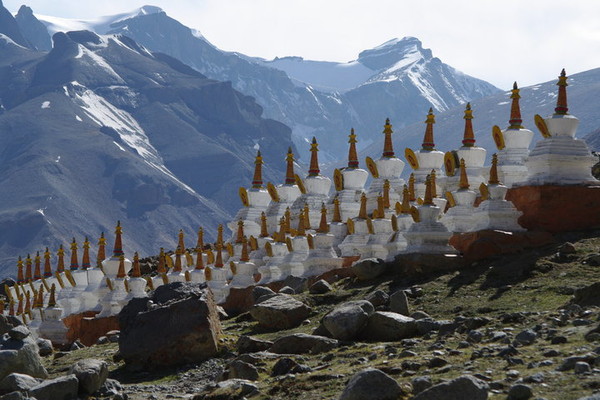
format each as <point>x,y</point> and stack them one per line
<point>101,129</point>
<point>395,80</point>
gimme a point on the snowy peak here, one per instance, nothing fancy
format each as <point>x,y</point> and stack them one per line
<point>395,54</point>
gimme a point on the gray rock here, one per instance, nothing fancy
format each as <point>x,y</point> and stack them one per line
<point>15,396</point>
<point>519,392</point>
<point>389,326</point>
<point>19,332</point>
<point>287,290</point>
<point>320,287</point>
<point>378,298</point>
<point>283,366</point>
<point>44,346</point>
<point>421,383</point>
<point>461,388</point>
<point>61,388</point>
<point>474,336</point>
<point>297,283</point>
<point>420,315</point>
<point>369,268</point>
<point>301,343</point>
<point>260,291</point>
<point>91,374</point>
<point>14,382</point>
<point>7,323</point>
<point>249,344</point>
<point>399,303</point>
<point>592,397</point>
<point>569,362</point>
<point>581,367</point>
<point>588,296</point>
<point>111,387</point>
<point>242,370</point>
<point>526,337</point>
<point>281,311</point>
<point>20,356</point>
<point>234,389</point>
<point>346,321</point>
<point>372,384</point>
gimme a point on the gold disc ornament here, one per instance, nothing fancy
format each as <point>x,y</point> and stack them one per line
<point>244,196</point>
<point>300,184</point>
<point>372,167</point>
<point>338,180</point>
<point>450,163</point>
<point>541,125</point>
<point>273,192</point>
<point>498,137</point>
<point>411,157</point>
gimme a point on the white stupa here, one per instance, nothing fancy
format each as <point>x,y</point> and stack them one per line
<point>293,262</point>
<point>380,233</point>
<point>282,196</point>
<point>560,159</point>
<point>243,269</point>
<point>513,145</point>
<point>460,216</point>
<point>216,277</point>
<point>496,213</point>
<point>137,284</point>
<point>358,232</point>
<point>258,253</point>
<point>275,253</point>
<point>401,223</point>
<point>337,227</point>
<point>96,281</point>
<point>321,255</point>
<point>388,167</point>
<point>52,327</point>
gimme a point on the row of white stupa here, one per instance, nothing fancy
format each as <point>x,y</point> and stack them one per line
<point>285,230</point>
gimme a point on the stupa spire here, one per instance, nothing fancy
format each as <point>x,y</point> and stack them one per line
<point>388,147</point>
<point>428,200</point>
<point>136,272</point>
<point>240,232</point>
<point>47,265</point>
<point>337,215</point>
<point>39,301</point>
<point>280,236</point>
<point>469,136</point>
<point>85,261</point>
<point>244,257</point>
<point>433,186</point>
<point>37,272</point>
<point>181,241</point>
<point>515,110</point>
<point>362,213</point>
<point>60,266</point>
<point>411,188</point>
<point>52,299</point>
<point>380,211</point>
<point>161,269</point>
<point>494,171</point>
<point>314,158</point>
<point>101,250</point>
<point>386,194</point>
<point>28,272</point>
<point>405,201</point>
<point>257,181</point>
<point>288,220</point>
<point>301,231</point>
<point>200,241</point>
<point>264,232</point>
<point>199,259</point>
<point>74,262</point>
<point>178,267</point>
<point>219,258</point>
<point>561,101</point>
<point>352,155</point>
<point>323,225</point>
<point>121,273</point>
<point>118,248</point>
<point>428,142</point>
<point>290,177</point>
<point>20,275</point>
<point>464,181</point>
<point>306,217</point>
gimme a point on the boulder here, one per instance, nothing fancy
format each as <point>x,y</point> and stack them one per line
<point>297,283</point>
<point>389,326</point>
<point>20,382</point>
<point>301,343</point>
<point>519,392</point>
<point>587,296</point>
<point>399,303</point>
<point>281,311</point>
<point>287,290</point>
<point>230,389</point>
<point>461,388</point>
<point>260,291</point>
<point>61,388</point>
<point>242,370</point>
<point>110,388</point>
<point>91,374</point>
<point>320,287</point>
<point>15,396</point>
<point>369,268</point>
<point>372,384</point>
<point>526,337</point>
<point>178,324</point>
<point>20,356</point>
<point>378,298</point>
<point>19,332</point>
<point>283,366</point>
<point>346,321</point>
<point>7,323</point>
<point>249,344</point>
<point>44,346</point>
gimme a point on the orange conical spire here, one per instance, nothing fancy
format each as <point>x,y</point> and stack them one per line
<point>464,181</point>
<point>136,272</point>
<point>388,147</point>
<point>60,266</point>
<point>411,188</point>
<point>27,302</point>
<point>301,231</point>
<point>180,242</point>
<point>405,201</point>
<point>118,249</point>
<point>323,225</point>
<point>178,265</point>
<point>469,136</point>
<point>561,101</point>
<point>52,299</point>
<point>433,186</point>
<point>28,272</point>
<point>314,159</point>
<point>386,194</point>
<point>121,272</point>
<point>199,260</point>
<point>337,214</point>
<point>352,155</point>
<point>362,213</point>
<point>37,271</point>
<point>85,261</point>
<point>494,171</point>
<point>20,275</point>
<point>11,309</point>
<point>428,143</point>
<point>257,181</point>
<point>288,221</point>
<point>200,241</point>
<point>240,232</point>
<point>220,235</point>
<point>20,306</point>
<point>101,250</point>
<point>244,257</point>
<point>281,234</point>
<point>74,262</point>
<point>47,266</point>
<point>264,232</point>
<point>380,207</point>
<point>515,110</point>
<point>428,200</point>
<point>39,301</point>
<point>219,259</point>
<point>306,217</point>
<point>161,269</point>
<point>290,177</point>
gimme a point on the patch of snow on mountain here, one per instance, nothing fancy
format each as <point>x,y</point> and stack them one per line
<point>8,40</point>
<point>411,57</point>
<point>57,24</point>
<point>99,61</point>
<point>46,104</point>
<point>427,90</point>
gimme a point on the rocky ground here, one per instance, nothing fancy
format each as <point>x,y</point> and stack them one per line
<point>519,326</point>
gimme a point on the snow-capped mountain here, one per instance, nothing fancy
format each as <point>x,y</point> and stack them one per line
<point>100,129</point>
<point>397,80</point>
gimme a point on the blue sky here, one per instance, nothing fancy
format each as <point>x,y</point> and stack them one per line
<point>499,41</point>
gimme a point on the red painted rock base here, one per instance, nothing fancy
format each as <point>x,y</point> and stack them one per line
<point>87,329</point>
<point>557,208</point>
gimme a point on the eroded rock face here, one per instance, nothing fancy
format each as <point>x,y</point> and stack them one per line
<point>281,311</point>
<point>178,324</point>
